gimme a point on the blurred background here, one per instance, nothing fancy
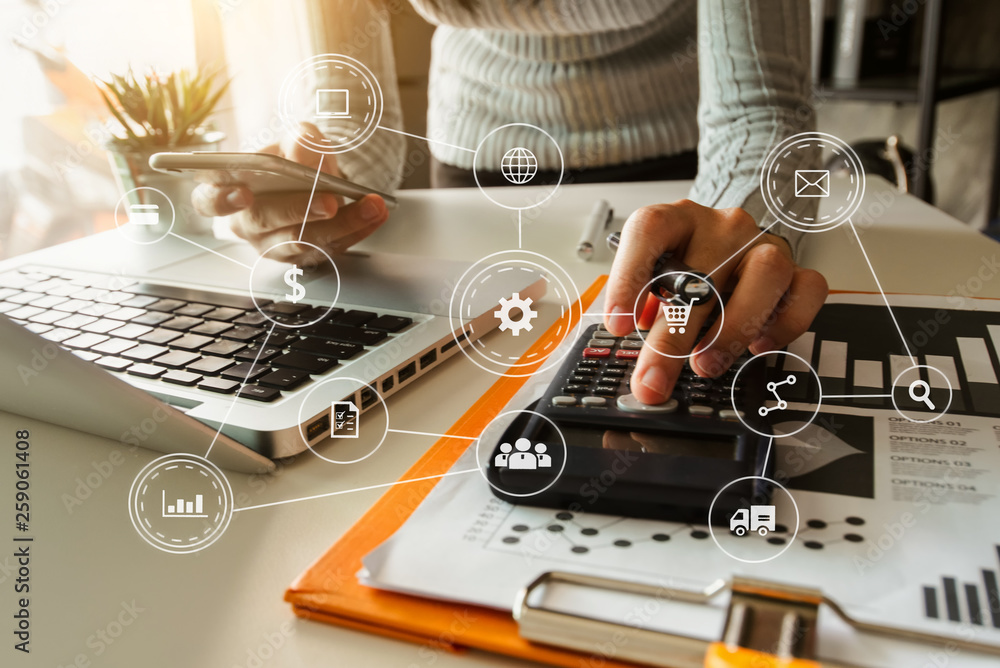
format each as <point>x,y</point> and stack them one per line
<point>922,74</point>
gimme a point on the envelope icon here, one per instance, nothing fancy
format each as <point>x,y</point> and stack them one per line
<point>812,183</point>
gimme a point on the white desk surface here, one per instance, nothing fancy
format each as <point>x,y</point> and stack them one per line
<point>223,606</point>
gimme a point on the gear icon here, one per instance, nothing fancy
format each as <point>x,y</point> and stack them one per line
<point>515,302</point>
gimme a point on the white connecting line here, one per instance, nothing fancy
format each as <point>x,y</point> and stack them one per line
<point>305,217</point>
<point>743,248</point>
<point>427,433</point>
<point>350,491</point>
<point>218,431</point>
<point>913,360</point>
<point>427,139</point>
<point>767,457</point>
<point>231,259</point>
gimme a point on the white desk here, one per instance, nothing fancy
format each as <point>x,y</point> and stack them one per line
<point>223,606</point>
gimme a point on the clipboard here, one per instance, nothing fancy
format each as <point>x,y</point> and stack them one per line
<point>767,624</point>
<point>328,590</point>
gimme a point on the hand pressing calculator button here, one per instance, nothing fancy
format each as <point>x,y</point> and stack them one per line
<point>688,447</point>
<point>629,404</point>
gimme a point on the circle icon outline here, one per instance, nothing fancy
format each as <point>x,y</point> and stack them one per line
<point>562,439</point>
<point>209,470</point>
<point>840,147</point>
<point>119,226</point>
<point>895,383</point>
<point>333,303</point>
<point>780,552</point>
<point>286,111</point>
<point>644,292</point>
<point>460,332</point>
<point>475,166</point>
<point>732,394</point>
<point>362,384</point>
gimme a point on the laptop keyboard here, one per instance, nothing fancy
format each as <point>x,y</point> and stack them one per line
<point>200,339</point>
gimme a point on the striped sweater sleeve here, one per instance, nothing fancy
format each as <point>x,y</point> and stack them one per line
<point>753,61</point>
<point>360,29</point>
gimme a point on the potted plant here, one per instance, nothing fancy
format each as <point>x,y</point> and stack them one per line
<point>162,113</point>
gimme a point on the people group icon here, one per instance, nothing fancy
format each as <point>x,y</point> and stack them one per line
<point>523,459</point>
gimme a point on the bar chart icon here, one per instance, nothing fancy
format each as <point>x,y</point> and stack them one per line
<point>182,508</point>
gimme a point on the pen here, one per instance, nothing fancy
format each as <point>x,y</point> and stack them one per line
<point>600,217</point>
<point>681,284</point>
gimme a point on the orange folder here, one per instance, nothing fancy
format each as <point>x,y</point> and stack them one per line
<point>329,590</point>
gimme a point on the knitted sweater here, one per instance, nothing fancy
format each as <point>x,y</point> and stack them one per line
<point>612,82</point>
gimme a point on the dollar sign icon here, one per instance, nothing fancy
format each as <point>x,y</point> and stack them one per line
<point>291,278</point>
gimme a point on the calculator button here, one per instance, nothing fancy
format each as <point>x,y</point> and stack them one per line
<point>583,364</point>
<point>730,414</point>
<point>607,390</point>
<point>564,401</point>
<point>582,378</point>
<point>598,343</point>
<point>613,373</point>
<point>629,404</point>
<point>594,401</point>
<point>596,353</point>
<point>574,388</point>
<point>700,409</point>
<point>631,345</point>
<point>627,354</point>
<point>617,364</point>
<point>634,336</point>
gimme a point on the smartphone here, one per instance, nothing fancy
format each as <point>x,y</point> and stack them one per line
<point>260,172</point>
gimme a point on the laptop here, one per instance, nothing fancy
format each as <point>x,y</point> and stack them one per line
<point>165,349</point>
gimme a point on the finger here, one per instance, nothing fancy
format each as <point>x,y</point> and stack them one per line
<point>663,355</point>
<point>647,234</point>
<point>214,200</point>
<point>278,210</point>
<point>763,276</point>
<point>295,147</point>
<point>649,312</point>
<point>796,311</point>
<point>353,223</point>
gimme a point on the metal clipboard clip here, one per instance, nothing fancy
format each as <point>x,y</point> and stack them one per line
<point>768,625</point>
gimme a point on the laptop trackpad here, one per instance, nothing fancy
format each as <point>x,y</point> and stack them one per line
<point>380,280</point>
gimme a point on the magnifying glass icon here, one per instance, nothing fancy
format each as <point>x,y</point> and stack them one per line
<point>921,391</point>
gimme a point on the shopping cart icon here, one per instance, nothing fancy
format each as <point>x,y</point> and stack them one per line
<point>677,316</point>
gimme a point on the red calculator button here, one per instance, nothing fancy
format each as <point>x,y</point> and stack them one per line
<point>627,354</point>
<point>589,353</point>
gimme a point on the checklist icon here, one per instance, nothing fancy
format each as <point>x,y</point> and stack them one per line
<point>344,420</point>
<point>812,183</point>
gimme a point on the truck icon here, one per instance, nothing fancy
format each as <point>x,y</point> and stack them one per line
<point>758,518</point>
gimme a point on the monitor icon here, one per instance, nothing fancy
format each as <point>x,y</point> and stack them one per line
<point>333,102</point>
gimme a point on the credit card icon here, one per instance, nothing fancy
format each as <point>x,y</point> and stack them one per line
<point>144,214</point>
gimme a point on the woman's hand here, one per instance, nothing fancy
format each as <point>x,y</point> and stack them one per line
<point>773,300</point>
<point>268,219</point>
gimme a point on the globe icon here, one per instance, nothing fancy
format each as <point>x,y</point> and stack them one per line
<point>518,165</point>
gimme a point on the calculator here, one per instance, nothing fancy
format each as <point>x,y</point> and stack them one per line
<point>622,457</point>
